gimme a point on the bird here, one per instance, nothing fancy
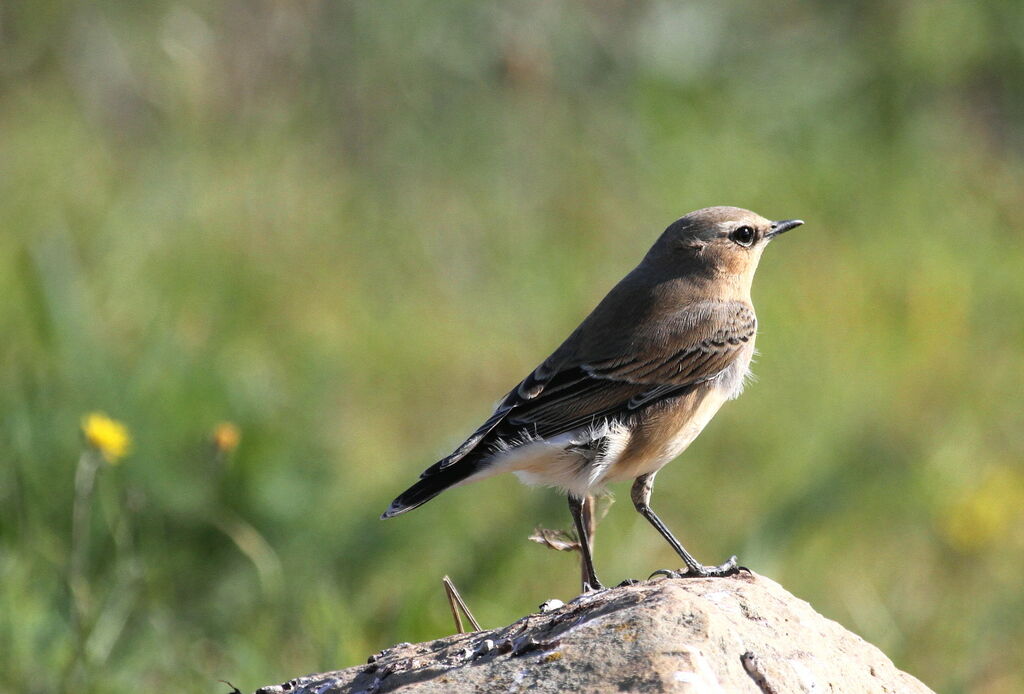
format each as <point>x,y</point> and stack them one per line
<point>630,388</point>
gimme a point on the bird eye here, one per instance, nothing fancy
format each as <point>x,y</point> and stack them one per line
<point>743,235</point>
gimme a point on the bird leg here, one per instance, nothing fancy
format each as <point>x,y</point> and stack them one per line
<point>590,523</point>
<point>576,507</point>
<point>641,496</point>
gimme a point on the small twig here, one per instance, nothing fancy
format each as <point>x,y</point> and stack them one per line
<point>455,602</point>
<point>594,510</point>
<point>566,541</point>
<point>560,540</point>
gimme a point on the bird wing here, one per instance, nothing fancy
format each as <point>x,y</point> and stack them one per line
<point>571,389</point>
<point>693,346</point>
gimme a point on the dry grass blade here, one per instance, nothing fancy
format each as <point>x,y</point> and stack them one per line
<point>456,603</point>
<point>594,510</point>
<point>561,540</point>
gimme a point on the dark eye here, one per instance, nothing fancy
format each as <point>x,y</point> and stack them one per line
<point>743,235</point>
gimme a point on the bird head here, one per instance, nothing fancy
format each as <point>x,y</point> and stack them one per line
<point>718,242</point>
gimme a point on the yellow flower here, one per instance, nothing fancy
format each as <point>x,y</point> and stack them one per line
<point>983,516</point>
<point>107,436</point>
<point>226,437</point>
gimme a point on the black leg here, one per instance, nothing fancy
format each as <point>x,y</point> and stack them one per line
<point>641,496</point>
<point>590,523</point>
<point>590,581</point>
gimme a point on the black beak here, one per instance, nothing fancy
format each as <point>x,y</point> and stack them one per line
<point>783,226</point>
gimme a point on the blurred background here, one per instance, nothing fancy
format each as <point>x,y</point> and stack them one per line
<point>295,251</point>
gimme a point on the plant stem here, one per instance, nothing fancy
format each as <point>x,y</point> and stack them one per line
<point>78,583</point>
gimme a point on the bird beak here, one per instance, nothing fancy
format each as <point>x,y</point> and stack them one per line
<point>783,226</point>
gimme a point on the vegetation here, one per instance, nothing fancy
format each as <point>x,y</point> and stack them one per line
<point>299,249</point>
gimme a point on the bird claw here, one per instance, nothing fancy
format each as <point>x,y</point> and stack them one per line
<point>729,568</point>
<point>628,582</point>
<point>667,573</point>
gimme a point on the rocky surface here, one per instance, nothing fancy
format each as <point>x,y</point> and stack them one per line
<point>706,636</point>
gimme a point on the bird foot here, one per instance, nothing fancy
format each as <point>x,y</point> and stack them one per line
<point>628,582</point>
<point>729,568</point>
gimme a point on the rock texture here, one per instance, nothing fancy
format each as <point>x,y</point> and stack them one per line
<point>706,636</point>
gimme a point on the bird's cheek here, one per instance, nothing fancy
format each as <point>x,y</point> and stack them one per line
<point>739,263</point>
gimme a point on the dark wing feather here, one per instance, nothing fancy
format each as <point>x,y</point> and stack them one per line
<point>699,345</point>
<point>705,340</point>
<point>469,444</point>
<point>589,399</point>
<point>547,376</point>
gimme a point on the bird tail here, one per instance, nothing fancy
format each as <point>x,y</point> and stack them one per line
<point>434,481</point>
<point>464,462</point>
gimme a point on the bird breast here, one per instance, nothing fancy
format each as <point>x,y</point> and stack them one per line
<point>664,431</point>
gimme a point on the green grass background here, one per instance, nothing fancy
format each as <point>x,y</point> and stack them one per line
<point>349,227</point>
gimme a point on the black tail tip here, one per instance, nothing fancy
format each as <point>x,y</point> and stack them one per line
<point>394,509</point>
<point>426,489</point>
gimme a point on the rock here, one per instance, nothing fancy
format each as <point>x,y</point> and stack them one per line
<point>700,636</point>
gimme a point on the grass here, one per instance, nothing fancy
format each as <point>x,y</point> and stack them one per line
<point>348,231</point>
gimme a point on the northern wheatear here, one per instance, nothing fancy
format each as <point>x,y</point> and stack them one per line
<point>634,384</point>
